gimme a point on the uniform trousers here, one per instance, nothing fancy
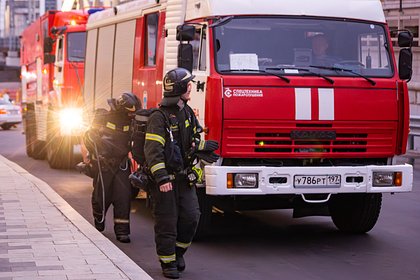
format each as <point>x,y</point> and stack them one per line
<point>117,190</point>
<point>176,215</point>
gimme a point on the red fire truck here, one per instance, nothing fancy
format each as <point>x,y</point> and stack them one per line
<point>304,97</point>
<point>52,65</point>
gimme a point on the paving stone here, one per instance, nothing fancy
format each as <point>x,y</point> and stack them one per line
<point>40,242</point>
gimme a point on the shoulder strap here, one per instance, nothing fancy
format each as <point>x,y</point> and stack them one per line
<point>191,114</point>
<point>164,114</point>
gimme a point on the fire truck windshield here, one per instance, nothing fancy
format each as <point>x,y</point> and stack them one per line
<point>76,42</point>
<point>292,45</point>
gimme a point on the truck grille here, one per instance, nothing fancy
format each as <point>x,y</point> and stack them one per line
<point>340,139</point>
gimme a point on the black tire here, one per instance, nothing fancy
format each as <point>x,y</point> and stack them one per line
<point>59,148</point>
<point>60,152</point>
<point>206,207</point>
<point>34,147</point>
<point>355,213</point>
<point>6,126</point>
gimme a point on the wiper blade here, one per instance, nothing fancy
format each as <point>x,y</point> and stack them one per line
<point>331,81</point>
<point>221,21</point>
<point>258,71</point>
<point>333,68</point>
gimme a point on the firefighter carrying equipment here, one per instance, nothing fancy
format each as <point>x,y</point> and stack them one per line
<point>109,142</point>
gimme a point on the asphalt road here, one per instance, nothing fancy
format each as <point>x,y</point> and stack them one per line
<point>260,244</point>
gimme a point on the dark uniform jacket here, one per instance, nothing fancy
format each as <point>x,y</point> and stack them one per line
<point>183,125</point>
<point>111,132</point>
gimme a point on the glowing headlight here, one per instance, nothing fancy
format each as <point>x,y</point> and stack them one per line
<point>71,119</point>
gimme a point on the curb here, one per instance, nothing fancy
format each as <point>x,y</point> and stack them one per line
<point>112,252</point>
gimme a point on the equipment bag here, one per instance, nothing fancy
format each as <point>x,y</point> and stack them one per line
<point>173,155</point>
<point>139,133</point>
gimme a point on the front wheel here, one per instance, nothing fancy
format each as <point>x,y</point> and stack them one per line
<point>355,213</point>
<point>60,152</point>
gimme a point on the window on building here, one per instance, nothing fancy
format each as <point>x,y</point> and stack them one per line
<point>415,31</point>
<point>151,39</point>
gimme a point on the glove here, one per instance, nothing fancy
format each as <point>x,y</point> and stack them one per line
<point>140,180</point>
<point>209,157</point>
<point>85,168</point>
<point>207,146</point>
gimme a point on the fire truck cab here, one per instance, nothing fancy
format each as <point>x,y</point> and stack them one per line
<point>305,98</point>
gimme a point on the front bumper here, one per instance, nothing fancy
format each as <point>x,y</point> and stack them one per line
<point>216,179</point>
<point>10,119</point>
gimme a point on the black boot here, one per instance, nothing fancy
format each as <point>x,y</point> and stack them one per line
<point>123,238</point>
<point>180,262</point>
<point>99,226</point>
<point>169,270</point>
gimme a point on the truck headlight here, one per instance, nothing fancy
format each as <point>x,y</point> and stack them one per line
<point>387,179</point>
<point>242,180</point>
<point>71,119</point>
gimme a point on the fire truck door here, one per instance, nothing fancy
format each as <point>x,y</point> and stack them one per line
<point>200,70</point>
<point>59,67</point>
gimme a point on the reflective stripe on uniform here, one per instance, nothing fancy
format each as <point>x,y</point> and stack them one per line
<point>174,127</point>
<point>167,259</point>
<point>155,137</point>
<point>158,166</point>
<point>121,221</point>
<point>183,245</point>
<point>201,145</point>
<point>111,125</point>
<point>187,123</point>
<point>126,128</point>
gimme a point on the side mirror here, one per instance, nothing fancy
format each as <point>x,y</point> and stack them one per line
<point>48,44</point>
<point>58,30</point>
<point>49,58</point>
<point>185,32</point>
<point>185,56</point>
<point>405,39</point>
<point>405,64</point>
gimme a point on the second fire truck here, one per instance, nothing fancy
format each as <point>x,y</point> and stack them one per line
<point>52,70</point>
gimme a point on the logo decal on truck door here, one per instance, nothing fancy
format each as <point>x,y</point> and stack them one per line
<point>228,92</point>
<point>239,92</point>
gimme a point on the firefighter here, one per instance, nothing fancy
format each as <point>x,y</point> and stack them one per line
<point>170,136</point>
<point>108,142</point>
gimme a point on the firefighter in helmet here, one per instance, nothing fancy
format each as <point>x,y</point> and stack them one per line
<point>108,142</point>
<point>169,139</point>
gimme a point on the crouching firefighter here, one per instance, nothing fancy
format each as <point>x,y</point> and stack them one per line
<point>170,134</point>
<point>108,142</point>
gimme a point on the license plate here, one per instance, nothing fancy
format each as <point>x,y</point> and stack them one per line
<point>310,181</point>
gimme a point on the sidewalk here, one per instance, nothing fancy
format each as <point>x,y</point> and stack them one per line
<point>42,237</point>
